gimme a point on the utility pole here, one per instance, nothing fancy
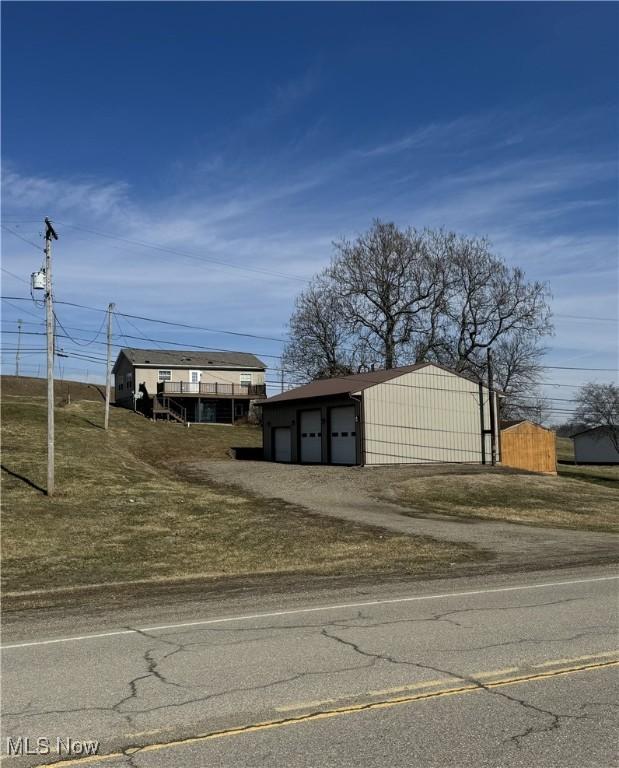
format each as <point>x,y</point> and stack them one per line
<point>282,379</point>
<point>492,410</point>
<point>19,322</point>
<point>108,376</point>
<point>50,235</point>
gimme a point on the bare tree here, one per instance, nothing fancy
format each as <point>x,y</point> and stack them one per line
<point>598,406</point>
<point>318,334</point>
<point>488,302</point>
<point>387,284</point>
<point>517,371</point>
<point>396,296</point>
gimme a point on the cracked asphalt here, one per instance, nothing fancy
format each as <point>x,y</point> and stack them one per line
<point>504,670</point>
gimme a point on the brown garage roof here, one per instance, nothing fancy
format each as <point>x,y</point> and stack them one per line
<point>346,385</point>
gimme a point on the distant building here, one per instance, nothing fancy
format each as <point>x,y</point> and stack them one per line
<point>420,413</point>
<point>190,387</point>
<point>596,446</point>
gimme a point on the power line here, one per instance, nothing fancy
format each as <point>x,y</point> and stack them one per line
<point>185,254</point>
<point>236,333</point>
<point>248,335</point>
<point>79,344</point>
<point>258,270</point>
<point>12,274</point>
<point>574,368</point>
<point>161,322</point>
<point>21,237</point>
<point>21,309</point>
<point>587,317</point>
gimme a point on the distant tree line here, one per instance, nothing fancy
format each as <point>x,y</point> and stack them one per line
<point>396,296</point>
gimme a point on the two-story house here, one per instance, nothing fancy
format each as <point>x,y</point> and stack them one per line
<point>191,387</point>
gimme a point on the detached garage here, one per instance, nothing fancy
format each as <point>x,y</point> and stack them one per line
<point>416,414</point>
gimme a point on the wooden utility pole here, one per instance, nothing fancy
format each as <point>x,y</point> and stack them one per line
<point>50,235</point>
<point>108,377</point>
<point>492,410</point>
<point>19,322</point>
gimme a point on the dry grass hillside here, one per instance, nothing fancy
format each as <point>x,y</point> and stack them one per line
<point>29,386</point>
<point>125,511</point>
<point>578,497</point>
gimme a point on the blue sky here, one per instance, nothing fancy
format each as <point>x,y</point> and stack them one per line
<point>255,135</point>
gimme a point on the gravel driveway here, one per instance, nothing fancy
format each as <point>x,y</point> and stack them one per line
<point>350,493</point>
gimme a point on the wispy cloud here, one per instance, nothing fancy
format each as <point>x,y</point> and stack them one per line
<point>548,210</point>
<point>436,135</point>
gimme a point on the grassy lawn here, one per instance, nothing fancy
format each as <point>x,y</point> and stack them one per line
<point>606,475</point>
<point>565,449</point>
<point>579,497</point>
<point>124,512</point>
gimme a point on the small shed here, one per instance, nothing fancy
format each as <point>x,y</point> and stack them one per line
<point>598,445</point>
<point>529,446</point>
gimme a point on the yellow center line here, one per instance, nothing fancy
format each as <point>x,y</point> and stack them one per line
<point>600,655</point>
<point>391,691</point>
<point>336,712</point>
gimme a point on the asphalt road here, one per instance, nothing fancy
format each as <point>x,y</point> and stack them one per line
<point>517,670</point>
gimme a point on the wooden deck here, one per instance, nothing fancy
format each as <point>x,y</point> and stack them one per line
<point>210,389</point>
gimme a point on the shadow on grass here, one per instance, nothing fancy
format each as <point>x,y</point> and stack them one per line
<point>17,476</point>
<point>92,423</point>
<point>608,482</point>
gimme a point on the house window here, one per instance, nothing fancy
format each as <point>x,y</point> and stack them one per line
<point>245,379</point>
<point>129,380</point>
<point>120,386</point>
<point>165,375</point>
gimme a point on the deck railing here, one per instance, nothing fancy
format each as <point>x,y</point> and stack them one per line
<point>212,389</point>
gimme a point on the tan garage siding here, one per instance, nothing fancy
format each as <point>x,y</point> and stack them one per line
<point>428,415</point>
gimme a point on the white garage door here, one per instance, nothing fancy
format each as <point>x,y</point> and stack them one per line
<point>282,444</point>
<point>343,435</point>
<point>311,437</point>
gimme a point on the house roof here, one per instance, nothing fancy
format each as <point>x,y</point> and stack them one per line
<point>602,427</point>
<point>189,358</point>
<point>346,385</point>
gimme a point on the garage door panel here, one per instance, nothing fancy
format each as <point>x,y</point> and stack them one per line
<point>282,444</point>
<point>343,435</point>
<point>311,437</point>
